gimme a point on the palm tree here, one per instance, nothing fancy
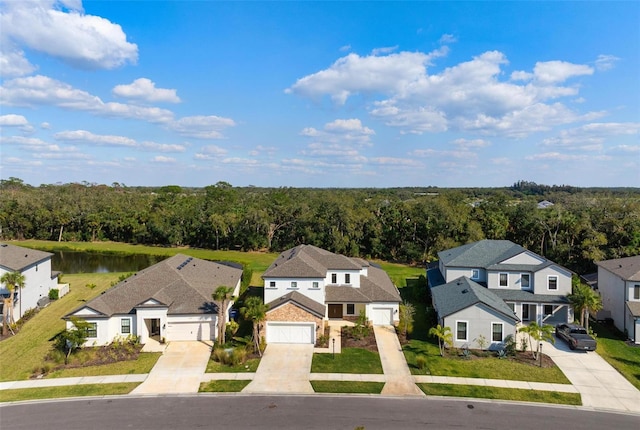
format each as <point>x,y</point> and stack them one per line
<point>444,335</point>
<point>584,299</point>
<point>255,311</point>
<point>11,280</point>
<point>222,296</point>
<point>538,333</point>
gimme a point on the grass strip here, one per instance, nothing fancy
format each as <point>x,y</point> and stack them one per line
<point>623,357</point>
<point>347,387</point>
<point>67,391</point>
<point>350,360</point>
<point>143,364</point>
<point>498,393</point>
<point>223,386</point>
<point>251,365</point>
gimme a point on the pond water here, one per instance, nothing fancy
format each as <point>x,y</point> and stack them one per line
<point>94,262</point>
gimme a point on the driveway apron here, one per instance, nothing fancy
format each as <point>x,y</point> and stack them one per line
<point>599,384</point>
<point>178,370</point>
<point>399,380</point>
<point>284,368</point>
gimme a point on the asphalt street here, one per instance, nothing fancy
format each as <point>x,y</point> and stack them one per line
<point>300,412</point>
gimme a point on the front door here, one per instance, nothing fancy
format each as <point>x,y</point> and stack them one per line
<point>335,311</point>
<point>525,312</point>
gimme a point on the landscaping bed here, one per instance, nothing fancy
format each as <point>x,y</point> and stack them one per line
<point>365,339</point>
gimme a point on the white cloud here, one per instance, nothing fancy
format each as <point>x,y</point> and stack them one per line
<point>45,126</point>
<point>624,150</point>
<point>258,150</point>
<point>202,127</point>
<point>211,152</point>
<point>429,152</point>
<point>592,136</point>
<point>42,90</point>
<point>553,72</point>
<point>384,50</point>
<point>447,38</point>
<point>501,161</point>
<point>471,143</point>
<point>606,62</point>
<point>62,30</point>
<point>163,147</point>
<point>394,161</point>
<point>555,156</point>
<point>12,120</point>
<point>345,48</point>
<point>83,136</point>
<point>144,89</point>
<point>162,159</point>
<point>341,131</point>
<point>12,61</point>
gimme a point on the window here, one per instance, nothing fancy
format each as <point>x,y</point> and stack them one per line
<point>496,332</point>
<point>334,278</point>
<point>548,310</point>
<point>504,280</point>
<point>125,326</point>
<point>294,284</point>
<point>636,292</point>
<point>461,330</point>
<point>351,309</point>
<point>552,282</point>
<point>315,284</point>
<point>92,330</point>
<point>475,274</point>
<point>524,280</point>
<point>272,284</point>
<point>347,278</point>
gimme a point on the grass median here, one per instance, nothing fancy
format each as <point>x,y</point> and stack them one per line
<point>67,391</point>
<point>350,360</point>
<point>498,393</point>
<point>355,387</point>
<point>223,386</point>
<point>623,357</point>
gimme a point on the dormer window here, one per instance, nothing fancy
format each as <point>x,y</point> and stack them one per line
<point>334,278</point>
<point>475,274</point>
<point>347,278</point>
<point>525,279</point>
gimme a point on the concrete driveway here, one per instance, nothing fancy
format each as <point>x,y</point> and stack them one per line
<point>284,368</point>
<point>599,384</point>
<point>398,378</point>
<point>178,370</point>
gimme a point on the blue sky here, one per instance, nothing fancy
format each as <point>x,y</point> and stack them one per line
<point>320,94</point>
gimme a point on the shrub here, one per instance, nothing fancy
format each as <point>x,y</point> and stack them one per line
<point>231,329</point>
<point>91,286</point>
<point>54,294</point>
<point>421,362</point>
<point>263,344</point>
<point>219,355</point>
<point>501,354</point>
<point>323,341</point>
<point>238,356</point>
<point>482,342</point>
<point>510,345</point>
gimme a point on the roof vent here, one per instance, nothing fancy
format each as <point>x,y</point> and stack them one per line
<point>465,291</point>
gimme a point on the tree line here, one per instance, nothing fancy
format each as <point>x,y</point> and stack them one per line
<point>408,225</point>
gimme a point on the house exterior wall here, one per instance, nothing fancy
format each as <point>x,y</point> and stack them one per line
<point>37,283</point>
<point>150,313</point>
<point>453,273</point>
<point>103,331</point>
<point>612,290</point>
<point>394,306</point>
<point>304,286</point>
<point>524,258</point>
<point>513,280</point>
<point>541,281</point>
<point>354,274</point>
<point>479,319</point>
<point>292,313</point>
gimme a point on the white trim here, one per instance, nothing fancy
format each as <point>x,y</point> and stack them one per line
<point>466,331</point>
<point>501,324</point>
<point>130,325</point>
<point>557,282</point>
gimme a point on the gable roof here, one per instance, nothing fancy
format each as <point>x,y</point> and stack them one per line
<point>463,293</point>
<point>300,300</point>
<point>627,268</point>
<point>183,284</point>
<point>17,258</point>
<point>308,261</point>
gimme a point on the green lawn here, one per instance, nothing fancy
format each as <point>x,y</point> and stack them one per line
<point>22,353</point>
<point>500,393</point>
<point>351,360</point>
<point>624,358</point>
<point>489,367</point>
<point>347,387</point>
<point>223,386</point>
<point>143,364</point>
<point>400,272</point>
<point>250,366</point>
<point>67,391</point>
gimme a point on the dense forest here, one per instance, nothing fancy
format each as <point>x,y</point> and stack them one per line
<point>397,224</point>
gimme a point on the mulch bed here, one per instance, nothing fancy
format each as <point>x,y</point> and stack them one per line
<point>365,342</point>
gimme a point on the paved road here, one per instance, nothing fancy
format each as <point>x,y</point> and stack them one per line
<point>284,369</point>
<point>300,412</point>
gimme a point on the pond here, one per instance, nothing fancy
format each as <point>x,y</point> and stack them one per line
<point>94,262</point>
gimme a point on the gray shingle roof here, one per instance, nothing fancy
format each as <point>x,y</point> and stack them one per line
<point>528,296</point>
<point>463,293</point>
<point>627,268</point>
<point>634,307</point>
<point>17,258</point>
<point>185,284</point>
<point>307,261</point>
<point>480,254</point>
<point>300,300</point>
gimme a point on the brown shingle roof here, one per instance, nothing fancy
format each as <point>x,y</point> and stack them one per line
<point>17,258</point>
<point>627,268</point>
<point>307,261</point>
<point>185,284</point>
<point>300,300</point>
<point>634,307</point>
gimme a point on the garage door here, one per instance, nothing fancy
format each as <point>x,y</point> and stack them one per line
<point>382,316</point>
<point>189,331</point>
<point>291,332</point>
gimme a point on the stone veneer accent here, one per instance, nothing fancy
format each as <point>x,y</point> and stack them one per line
<point>291,312</point>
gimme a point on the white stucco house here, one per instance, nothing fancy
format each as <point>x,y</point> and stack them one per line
<point>39,279</point>
<point>306,286</point>
<point>619,287</point>
<point>171,300</point>
<point>488,287</point>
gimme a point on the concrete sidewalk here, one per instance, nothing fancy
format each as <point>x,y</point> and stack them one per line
<point>81,380</point>
<point>399,380</point>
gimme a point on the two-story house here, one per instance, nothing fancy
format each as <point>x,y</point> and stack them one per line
<point>35,266</point>
<point>487,287</point>
<point>619,287</point>
<point>306,286</point>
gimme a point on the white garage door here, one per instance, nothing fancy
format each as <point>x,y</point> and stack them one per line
<point>286,332</point>
<point>382,316</point>
<point>189,331</point>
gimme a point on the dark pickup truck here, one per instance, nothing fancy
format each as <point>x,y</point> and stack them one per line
<point>576,336</point>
